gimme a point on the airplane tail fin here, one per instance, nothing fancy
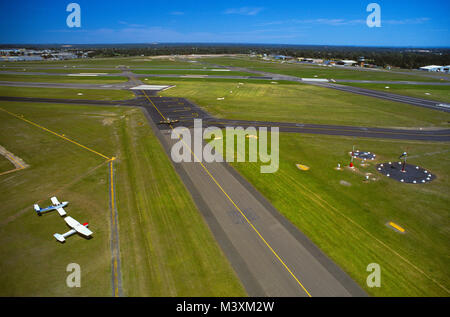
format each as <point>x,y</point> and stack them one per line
<point>37,208</point>
<point>59,237</point>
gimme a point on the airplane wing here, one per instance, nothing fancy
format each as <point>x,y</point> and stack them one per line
<point>55,201</point>
<point>61,211</point>
<point>78,226</point>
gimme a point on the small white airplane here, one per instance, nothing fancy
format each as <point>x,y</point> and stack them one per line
<point>56,205</point>
<point>76,227</point>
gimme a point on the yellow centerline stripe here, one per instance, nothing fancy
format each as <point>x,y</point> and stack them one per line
<point>55,133</point>
<point>18,163</point>
<point>253,227</point>
<point>234,204</point>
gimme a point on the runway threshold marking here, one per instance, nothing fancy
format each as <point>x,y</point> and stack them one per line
<point>235,205</point>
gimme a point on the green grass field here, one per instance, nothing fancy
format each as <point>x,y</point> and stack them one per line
<point>300,103</point>
<point>65,79</point>
<point>57,70</point>
<point>309,71</point>
<point>192,72</point>
<point>167,249</point>
<point>5,164</point>
<point>33,263</point>
<point>349,222</point>
<point>111,62</point>
<point>66,93</point>
<point>438,93</point>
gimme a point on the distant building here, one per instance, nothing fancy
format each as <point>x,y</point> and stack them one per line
<point>63,56</point>
<point>310,60</point>
<point>434,68</point>
<point>361,61</point>
<point>20,58</point>
<point>282,57</point>
<point>347,62</point>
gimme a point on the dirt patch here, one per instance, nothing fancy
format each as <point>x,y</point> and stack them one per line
<point>17,161</point>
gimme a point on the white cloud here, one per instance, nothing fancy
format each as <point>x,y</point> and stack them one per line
<point>340,22</point>
<point>177,13</point>
<point>406,21</point>
<point>244,11</point>
<point>132,25</point>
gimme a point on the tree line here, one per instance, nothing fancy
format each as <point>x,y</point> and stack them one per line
<point>409,58</point>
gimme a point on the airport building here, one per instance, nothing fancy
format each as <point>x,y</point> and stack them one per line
<point>435,68</point>
<point>347,62</point>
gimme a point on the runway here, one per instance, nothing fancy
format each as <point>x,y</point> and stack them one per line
<point>436,105</point>
<point>270,256</point>
<point>186,111</point>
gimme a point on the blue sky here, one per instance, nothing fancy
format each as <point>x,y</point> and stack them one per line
<point>404,23</point>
